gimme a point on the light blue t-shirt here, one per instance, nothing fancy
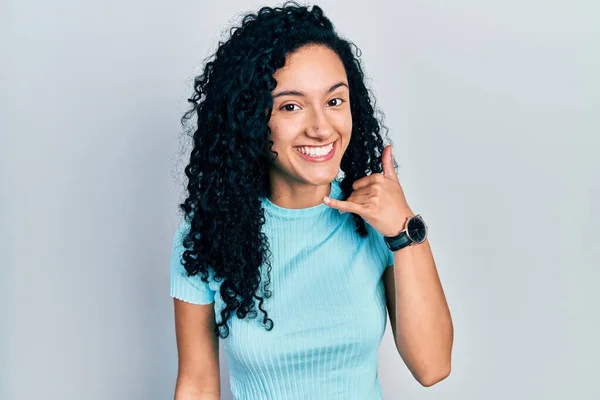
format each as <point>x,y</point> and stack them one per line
<point>328,308</point>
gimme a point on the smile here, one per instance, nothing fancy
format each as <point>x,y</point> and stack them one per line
<point>322,153</point>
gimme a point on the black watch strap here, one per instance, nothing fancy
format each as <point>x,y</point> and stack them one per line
<point>398,242</point>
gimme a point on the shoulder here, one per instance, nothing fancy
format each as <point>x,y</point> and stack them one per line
<point>191,289</point>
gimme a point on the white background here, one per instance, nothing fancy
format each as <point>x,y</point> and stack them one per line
<point>493,108</point>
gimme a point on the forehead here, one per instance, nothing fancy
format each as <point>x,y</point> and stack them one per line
<point>311,68</point>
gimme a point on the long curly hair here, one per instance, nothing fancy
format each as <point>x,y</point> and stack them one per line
<point>232,151</point>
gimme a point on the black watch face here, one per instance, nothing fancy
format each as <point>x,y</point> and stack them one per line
<point>416,230</point>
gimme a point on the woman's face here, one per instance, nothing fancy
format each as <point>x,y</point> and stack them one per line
<point>311,111</point>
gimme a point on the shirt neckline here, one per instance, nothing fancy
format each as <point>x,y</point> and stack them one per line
<point>335,193</point>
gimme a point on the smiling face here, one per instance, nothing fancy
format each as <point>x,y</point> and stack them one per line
<point>311,123</point>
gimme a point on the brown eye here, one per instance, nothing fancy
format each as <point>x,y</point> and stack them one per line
<point>288,107</point>
<point>339,103</point>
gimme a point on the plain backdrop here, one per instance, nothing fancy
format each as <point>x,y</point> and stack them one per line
<point>493,109</point>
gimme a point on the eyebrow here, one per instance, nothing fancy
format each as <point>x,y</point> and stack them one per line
<point>299,93</point>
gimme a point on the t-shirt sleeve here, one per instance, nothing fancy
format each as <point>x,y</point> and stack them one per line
<point>388,255</point>
<point>189,289</point>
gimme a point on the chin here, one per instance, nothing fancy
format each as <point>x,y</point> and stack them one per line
<point>320,180</point>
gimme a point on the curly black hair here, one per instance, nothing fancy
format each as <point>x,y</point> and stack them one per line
<point>232,150</point>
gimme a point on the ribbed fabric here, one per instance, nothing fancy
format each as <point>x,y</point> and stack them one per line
<point>328,309</point>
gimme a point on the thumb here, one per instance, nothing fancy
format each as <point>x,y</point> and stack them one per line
<point>388,165</point>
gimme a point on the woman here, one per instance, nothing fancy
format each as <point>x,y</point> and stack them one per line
<point>289,265</point>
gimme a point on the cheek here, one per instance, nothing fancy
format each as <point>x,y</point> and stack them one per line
<point>344,124</point>
<point>277,137</point>
<point>274,129</point>
<point>283,132</point>
<point>349,127</point>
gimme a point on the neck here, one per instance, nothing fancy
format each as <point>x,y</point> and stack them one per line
<point>298,194</point>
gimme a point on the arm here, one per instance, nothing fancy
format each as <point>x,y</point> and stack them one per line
<point>419,315</point>
<point>198,351</point>
<point>424,334</point>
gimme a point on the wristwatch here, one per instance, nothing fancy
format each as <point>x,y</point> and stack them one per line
<point>415,232</point>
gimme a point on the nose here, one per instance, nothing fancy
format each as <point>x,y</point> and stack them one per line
<point>319,126</point>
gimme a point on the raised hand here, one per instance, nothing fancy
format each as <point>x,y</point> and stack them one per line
<point>378,198</point>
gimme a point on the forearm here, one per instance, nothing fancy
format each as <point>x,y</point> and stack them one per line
<point>424,333</point>
<point>194,395</point>
<point>186,390</point>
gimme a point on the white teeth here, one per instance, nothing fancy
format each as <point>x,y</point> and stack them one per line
<point>315,151</point>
